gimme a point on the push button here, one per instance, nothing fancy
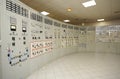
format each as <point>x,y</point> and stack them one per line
<point>13,38</point>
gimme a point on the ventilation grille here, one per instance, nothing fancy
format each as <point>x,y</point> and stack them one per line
<point>90,28</point>
<point>76,28</point>
<point>57,24</point>
<point>64,26</point>
<point>82,28</point>
<point>36,17</point>
<point>70,27</point>
<point>15,8</point>
<point>49,22</point>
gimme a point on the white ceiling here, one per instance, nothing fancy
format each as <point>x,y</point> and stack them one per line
<point>107,9</point>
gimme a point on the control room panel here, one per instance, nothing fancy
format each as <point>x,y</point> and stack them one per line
<point>27,36</point>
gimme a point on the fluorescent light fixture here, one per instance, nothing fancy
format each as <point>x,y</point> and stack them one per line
<point>66,20</point>
<point>100,19</point>
<point>89,3</point>
<point>45,13</point>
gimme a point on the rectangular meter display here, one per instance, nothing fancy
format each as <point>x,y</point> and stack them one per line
<point>24,29</point>
<point>13,28</point>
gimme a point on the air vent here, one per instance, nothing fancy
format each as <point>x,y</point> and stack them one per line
<point>76,28</point>
<point>64,26</point>
<point>36,17</point>
<point>15,8</point>
<point>57,24</point>
<point>48,21</point>
<point>70,27</point>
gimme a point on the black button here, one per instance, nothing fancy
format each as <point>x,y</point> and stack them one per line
<point>19,56</point>
<point>33,53</point>
<point>13,38</point>
<point>20,60</point>
<point>41,31</point>
<point>10,62</point>
<point>26,50</point>
<point>24,38</point>
<point>12,51</point>
<point>37,52</point>
<point>24,42</point>
<point>8,55</point>
<point>13,44</point>
<point>32,37</point>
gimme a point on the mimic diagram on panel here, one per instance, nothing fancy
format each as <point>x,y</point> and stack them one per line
<point>17,45</point>
<point>108,34</point>
<point>64,36</point>
<point>56,36</point>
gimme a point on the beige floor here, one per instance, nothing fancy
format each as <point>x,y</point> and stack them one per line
<point>81,66</point>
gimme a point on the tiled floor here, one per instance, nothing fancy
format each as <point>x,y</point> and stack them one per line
<point>81,66</point>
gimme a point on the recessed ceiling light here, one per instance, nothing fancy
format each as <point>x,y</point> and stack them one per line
<point>69,9</point>
<point>100,19</point>
<point>45,13</point>
<point>66,20</point>
<point>89,3</point>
